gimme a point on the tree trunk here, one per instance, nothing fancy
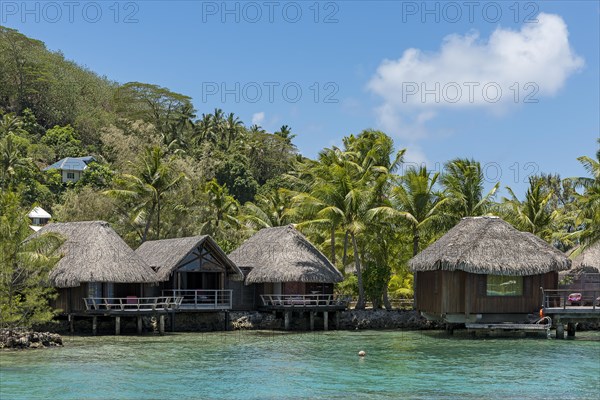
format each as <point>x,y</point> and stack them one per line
<point>345,256</point>
<point>333,244</point>
<point>360,304</point>
<point>415,241</point>
<point>148,223</point>
<point>158,219</point>
<point>386,300</point>
<point>415,251</point>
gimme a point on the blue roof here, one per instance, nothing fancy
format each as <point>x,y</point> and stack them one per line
<point>72,163</point>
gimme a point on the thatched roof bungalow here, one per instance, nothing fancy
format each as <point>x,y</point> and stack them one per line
<point>588,257</point>
<point>485,270</point>
<point>585,270</point>
<point>96,262</point>
<point>281,260</point>
<point>195,268</point>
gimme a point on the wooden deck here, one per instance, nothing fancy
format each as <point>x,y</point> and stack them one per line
<point>510,327</point>
<point>571,304</point>
<point>202,300</point>
<point>130,305</point>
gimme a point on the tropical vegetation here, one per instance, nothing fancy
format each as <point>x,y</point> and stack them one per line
<point>162,171</point>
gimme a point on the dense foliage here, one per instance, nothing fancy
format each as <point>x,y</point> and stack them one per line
<point>163,171</point>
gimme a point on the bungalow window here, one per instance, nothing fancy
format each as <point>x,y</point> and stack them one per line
<point>499,285</point>
<point>70,175</point>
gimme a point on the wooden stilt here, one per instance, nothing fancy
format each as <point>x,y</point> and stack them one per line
<point>117,325</point>
<point>337,320</point>
<point>560,331</point>
<point>325,320</point>
<point>139,324</point>
<point>94,325</point>
<point>287,320</point>
<point>71,323</point>
<point>311,315</point>
<point>571,329</point>
<point>161,324</point>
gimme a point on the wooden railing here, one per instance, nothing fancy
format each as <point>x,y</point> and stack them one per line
<point>304,300</point>
<point>132,303</point>
<point>199,299</point>
<point>397,304</point>
<point>562,298</point>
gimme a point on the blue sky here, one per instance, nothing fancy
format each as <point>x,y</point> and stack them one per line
<point>514,85</point>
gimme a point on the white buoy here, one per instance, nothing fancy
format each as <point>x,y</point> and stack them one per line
<point>362,353</point>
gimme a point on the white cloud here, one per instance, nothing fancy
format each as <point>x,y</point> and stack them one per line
<point>469,72</point>
<point>258,118</point>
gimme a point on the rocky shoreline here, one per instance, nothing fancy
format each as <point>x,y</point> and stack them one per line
<point>348,320</point>
<point>21,340</point>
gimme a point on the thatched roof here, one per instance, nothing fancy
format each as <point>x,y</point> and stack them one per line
<point>93,252</point>
<point>167,255</point>
<point>488,245</point>
<point>589,257</point>
<point>283,254</point>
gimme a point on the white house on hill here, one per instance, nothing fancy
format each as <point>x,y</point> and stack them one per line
<point>39,217</point>
<point>71,168</point>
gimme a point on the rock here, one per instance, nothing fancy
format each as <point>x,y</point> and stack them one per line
<point>28,340</point>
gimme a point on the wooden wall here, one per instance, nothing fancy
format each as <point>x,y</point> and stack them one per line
<point>458,292</point>
<point>70,299</point>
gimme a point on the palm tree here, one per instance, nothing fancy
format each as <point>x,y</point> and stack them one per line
<point>415,201</point>
<point>24,266</point>
<point>463,183</point>
<point>11,160</point>
<point>222,211</point>
<point>275,208</point>
<point>340,196</point>
<point>534,214</point>
<point>9,123</point>
<point>232,128</point>
<point>589,201</point>
<point>146,191</point>
<point>256,129</point>
<point>285,132</point>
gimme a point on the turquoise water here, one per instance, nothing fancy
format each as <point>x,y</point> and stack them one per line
<point>267,365</point>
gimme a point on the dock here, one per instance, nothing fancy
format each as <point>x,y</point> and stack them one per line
<point>564,308</point>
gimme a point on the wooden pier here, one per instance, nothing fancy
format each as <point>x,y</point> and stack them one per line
<point>126,307</point>
<point>306,303</point>
<point>564,308</point>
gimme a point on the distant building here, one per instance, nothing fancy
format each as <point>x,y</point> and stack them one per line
<point>71,168</point>
<point>39,217</point>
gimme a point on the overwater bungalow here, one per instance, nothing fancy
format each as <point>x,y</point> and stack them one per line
<point>288,273</point>
<point>483,270</point>
<point>97,268</point>
<point>193,268</point>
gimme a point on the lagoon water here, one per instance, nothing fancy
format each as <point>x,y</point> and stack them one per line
<point>276,365</point>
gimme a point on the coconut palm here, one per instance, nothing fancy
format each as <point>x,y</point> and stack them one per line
<point>340,197</point>
<point>463,183</point>
<point>275,208</point>
<point>589,202</point>
<point>534,214</point>
<point>232,129</point>
<point>222,210</point>
<point>414,201</point>
<point>12,161</point>
<point>145,191</point>
<point>285,132</point>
